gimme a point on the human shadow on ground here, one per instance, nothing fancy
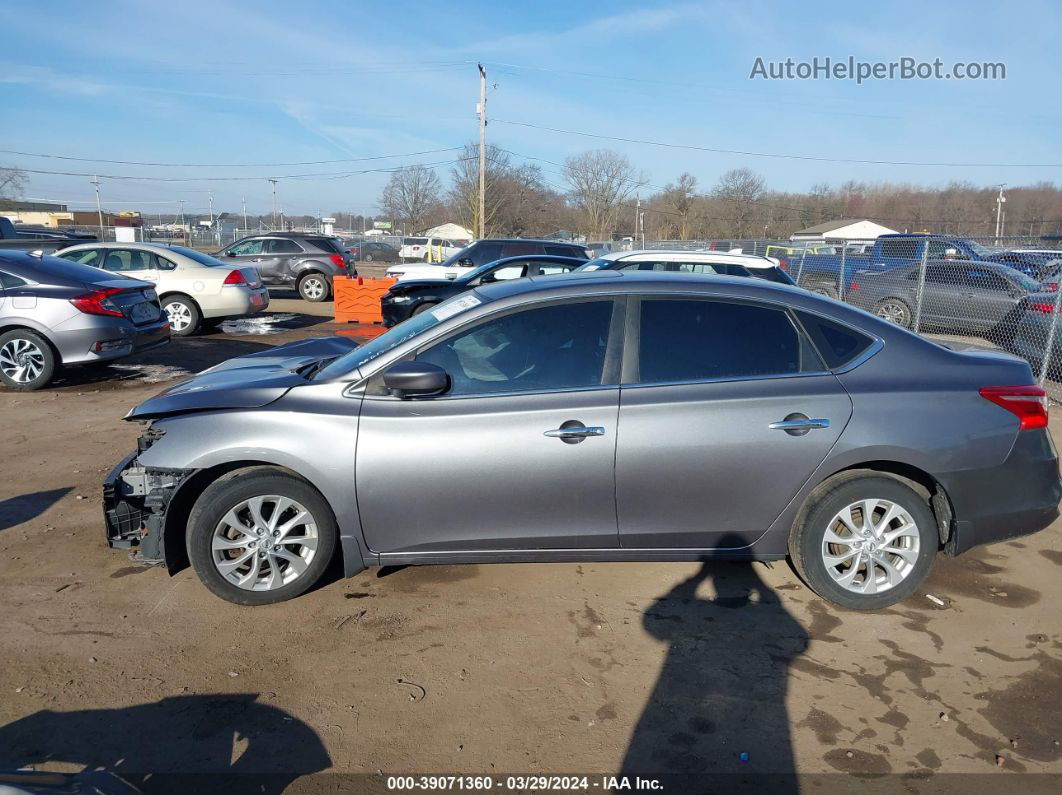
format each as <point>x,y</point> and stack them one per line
<point>717,712</point>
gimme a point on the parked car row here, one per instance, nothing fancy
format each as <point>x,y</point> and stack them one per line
<point>483,251</point>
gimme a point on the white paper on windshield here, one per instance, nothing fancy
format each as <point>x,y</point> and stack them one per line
<point>455,307</point>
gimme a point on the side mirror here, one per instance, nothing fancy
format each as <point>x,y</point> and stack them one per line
<point>416,379</point>
<point>951,253</point>
<point>230,254</point>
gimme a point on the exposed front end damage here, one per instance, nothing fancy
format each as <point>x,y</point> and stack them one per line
<point>135,499</point>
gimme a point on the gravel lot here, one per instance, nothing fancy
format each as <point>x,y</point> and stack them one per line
<point>492,668</point>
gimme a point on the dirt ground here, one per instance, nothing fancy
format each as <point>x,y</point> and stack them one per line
<point>725,668</point>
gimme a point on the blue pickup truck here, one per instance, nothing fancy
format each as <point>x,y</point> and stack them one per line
<point>821,273</point>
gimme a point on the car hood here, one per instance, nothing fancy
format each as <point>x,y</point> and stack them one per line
<point>408,285</point>
<point>244,382</point>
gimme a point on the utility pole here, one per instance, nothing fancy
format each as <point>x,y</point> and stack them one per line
<point>482,110</point>
<point>274,203</point>
<point>210,203</point>
<point>243,202</point>
<point>99,208</point>
<point>1000,199</point>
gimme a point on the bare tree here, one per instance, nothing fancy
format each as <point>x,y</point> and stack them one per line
<point>12,182</point>
<point>600,181</point>
<point>411,195</point>
<point>679,196</point>
<point>741,189</point>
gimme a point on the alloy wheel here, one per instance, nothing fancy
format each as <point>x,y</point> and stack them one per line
<point>893,312</point>
<point>180,316</point>
<point>313,288</point>
<point>21,360</point>
<point>264,543</point>
<point>870,546</point>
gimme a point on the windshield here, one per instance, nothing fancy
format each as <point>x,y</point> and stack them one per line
<point>978,249</point>
<point>199,256</point>
<point>453,258</point>
<point>406,330</point>
<point>595,265</point>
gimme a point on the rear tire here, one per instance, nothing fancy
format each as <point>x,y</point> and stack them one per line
<point>314,287</point>
<point>225,545</point>
<point>183,314</point>
<point>859,567</point>
<point>820,288</point>
<point>367,258</point>
<point>895,310</point>
<point>27,361</point>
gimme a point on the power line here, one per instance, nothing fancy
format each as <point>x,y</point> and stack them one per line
<point>226,165</point>
<point>667,145</point>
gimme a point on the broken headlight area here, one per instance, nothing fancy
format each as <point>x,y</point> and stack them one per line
<point>135,499</point>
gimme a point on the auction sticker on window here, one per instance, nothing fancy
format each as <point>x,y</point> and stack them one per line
<point>455,307</point>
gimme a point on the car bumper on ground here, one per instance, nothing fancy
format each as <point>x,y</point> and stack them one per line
<point>1016,498</point>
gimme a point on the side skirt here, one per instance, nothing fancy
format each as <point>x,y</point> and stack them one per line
<point>571,556</point>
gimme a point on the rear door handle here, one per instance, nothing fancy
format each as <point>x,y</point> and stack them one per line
<point>799,424</point>
<point>575,433</point>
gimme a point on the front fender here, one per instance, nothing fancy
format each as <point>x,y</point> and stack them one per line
<point>311,431</point>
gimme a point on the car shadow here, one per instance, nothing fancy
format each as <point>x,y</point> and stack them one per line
<point>226,742</point>
<point>718,705</point>
<point>16,510</point>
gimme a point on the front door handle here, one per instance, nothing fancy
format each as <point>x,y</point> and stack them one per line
<point>573,432</point>
<point>799,424</point>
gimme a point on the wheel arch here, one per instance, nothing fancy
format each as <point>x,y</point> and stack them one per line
<point>920,481</point>
<point>179,294</point>
<point>191,488</point>
<point>18,324</point>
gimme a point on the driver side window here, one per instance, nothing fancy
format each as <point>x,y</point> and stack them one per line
<point>555,347</point>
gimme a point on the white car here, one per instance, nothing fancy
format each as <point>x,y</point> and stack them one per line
<point>711,262</point>
<point>194,288</point>
<point>425,249</point>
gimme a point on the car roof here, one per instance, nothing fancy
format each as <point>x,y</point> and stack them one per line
<point>671,255</point>
<point>529,240</point>
<point>626,281</point>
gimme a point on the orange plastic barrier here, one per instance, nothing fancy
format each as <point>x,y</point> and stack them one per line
<point>358,300</point>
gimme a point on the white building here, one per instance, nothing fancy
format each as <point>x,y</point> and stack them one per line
<point>850,229</point>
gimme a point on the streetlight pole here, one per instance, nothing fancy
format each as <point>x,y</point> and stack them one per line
<point>1000,199</point>
<point>482,150</point>
<point>99,207</point>
<point>274,203</point>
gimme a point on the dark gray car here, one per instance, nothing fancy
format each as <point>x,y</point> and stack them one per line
<point>611,415</point>
<point>982,298</point>
<point>307,262</point>
<point>56,313</point>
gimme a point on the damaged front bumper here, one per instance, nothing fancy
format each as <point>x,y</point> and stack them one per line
<point>135,499</point>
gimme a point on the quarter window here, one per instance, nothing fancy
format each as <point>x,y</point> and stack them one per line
<point>837,344</point>
<point>8,281</point>
<point>695,340</point>
<point>546,348</point>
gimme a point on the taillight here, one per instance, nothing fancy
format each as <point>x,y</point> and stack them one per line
<point>1050,287</point>
<point>783,263</point>
<point>339,262</point>
<point>853,287</point>
<point>234,278</point>
<point>1042,308</point>
<point>98,302</point>
<point>1024,402</point>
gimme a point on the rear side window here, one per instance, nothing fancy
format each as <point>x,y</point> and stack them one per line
<point>414,241</point>
<point>520,249</point>
<point>566,251</point>
<point>836,344</point>
<point>279,246</point>
<point>695,340</point>
<point>899,249</point>
<point>325,244</point>
<point>7,281</point>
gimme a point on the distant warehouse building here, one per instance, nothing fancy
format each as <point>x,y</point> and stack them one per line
<point>36,213</point>
<point>850,229</point>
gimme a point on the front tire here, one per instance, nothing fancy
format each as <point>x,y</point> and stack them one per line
<point>27,361</point>
<point>260,537</point>
<point>367,258</point>
<point>423,308</point>
<point>314,287</point>
<point>183,314</point>
<point>860,564</point>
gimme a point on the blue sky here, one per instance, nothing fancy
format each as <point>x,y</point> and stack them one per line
<point>281,82</point>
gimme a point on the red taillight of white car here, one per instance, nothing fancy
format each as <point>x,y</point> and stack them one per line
<point>98,302</point>
<point>234,278</point>
<point>1027,403</point>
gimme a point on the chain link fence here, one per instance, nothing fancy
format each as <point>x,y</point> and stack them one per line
<point>987,292</point>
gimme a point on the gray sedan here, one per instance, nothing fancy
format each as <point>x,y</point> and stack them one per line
<point>57,313</point>
<point>974,297</point>
<point>612,415</point>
